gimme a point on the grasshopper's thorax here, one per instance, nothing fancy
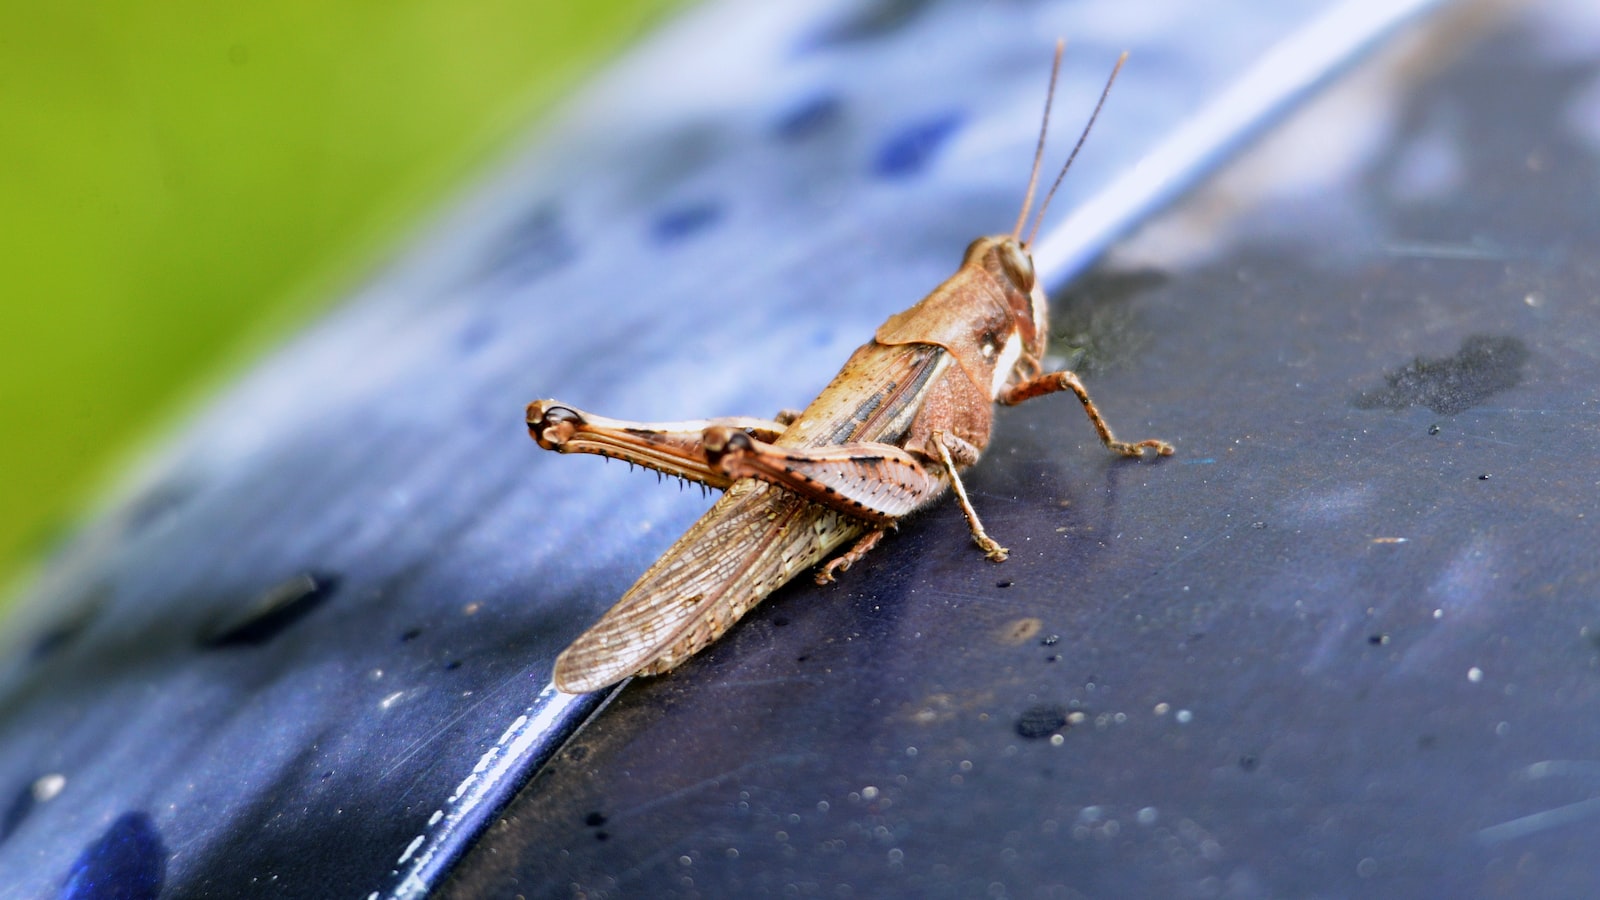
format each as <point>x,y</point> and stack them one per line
<point>989,315</point>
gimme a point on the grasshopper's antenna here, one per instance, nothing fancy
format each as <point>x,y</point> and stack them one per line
<point>1105,92</point>
<point>1038,151</point>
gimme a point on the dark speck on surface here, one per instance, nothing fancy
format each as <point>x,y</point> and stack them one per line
<point>476,335</point>
<point>870,22</point>
<point>271,613</point>
<point>535,245</point>
<point>51,641</point>
<point>16,811</point>
<point>1484,366</point>
<point>158,504</point>
<point>811,116</point>
<point>909,150</point>
<point>1041,721</point>
<point>127,862</point>
<point>680,222</point>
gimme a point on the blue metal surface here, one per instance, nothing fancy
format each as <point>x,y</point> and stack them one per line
<point>306,652</point>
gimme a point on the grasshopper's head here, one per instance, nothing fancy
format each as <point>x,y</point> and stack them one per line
<point>1007,261</point>
<point>1008,258</point>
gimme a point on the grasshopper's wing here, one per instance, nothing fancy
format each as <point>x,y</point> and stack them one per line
<point>754,539</point>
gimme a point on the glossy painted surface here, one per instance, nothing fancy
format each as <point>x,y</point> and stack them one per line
<point>1314,653</point>
<point>1342,645</point>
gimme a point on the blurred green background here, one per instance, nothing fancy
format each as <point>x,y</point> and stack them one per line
<point>181,182</point>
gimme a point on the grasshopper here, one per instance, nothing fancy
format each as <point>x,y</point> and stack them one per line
<point>909,411</point>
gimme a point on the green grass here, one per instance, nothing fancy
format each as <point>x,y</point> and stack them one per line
<point>182,181</point>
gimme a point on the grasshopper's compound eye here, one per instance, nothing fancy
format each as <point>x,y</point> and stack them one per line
<point>1018,265</point>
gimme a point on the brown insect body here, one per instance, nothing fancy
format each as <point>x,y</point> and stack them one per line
<point>908,411</point>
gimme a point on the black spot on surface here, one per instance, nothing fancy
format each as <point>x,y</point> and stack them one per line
<point>272,612</point>
<point>158,505</point>
<point>908,151</point>
<point>1249,762</point>
<point>807,118</point>
<point>16,811</point>
<point>81,614</point>
<point>533,246</point>
<point>869,22</point>
<point>594,819</point>
<point>410,634</point>
<point>1041,721</point>
<point>476,335</point>
<point>1484,366</point>
<point>681,222</point>
<point>127,862</point>
<point>50,642</point>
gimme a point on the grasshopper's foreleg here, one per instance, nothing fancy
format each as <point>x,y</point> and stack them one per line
<point>1053,382</point>
<point>673,448</point>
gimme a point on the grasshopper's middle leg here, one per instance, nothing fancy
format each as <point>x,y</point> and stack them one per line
<point>673,448</point>
<point>943,443</point>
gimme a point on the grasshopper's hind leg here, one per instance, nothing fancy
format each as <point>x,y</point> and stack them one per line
<point>673,448</point>
<point>845,560</point>
<point>877,483</point>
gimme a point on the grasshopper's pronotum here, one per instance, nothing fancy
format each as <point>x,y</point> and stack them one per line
<point>909,410</point>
